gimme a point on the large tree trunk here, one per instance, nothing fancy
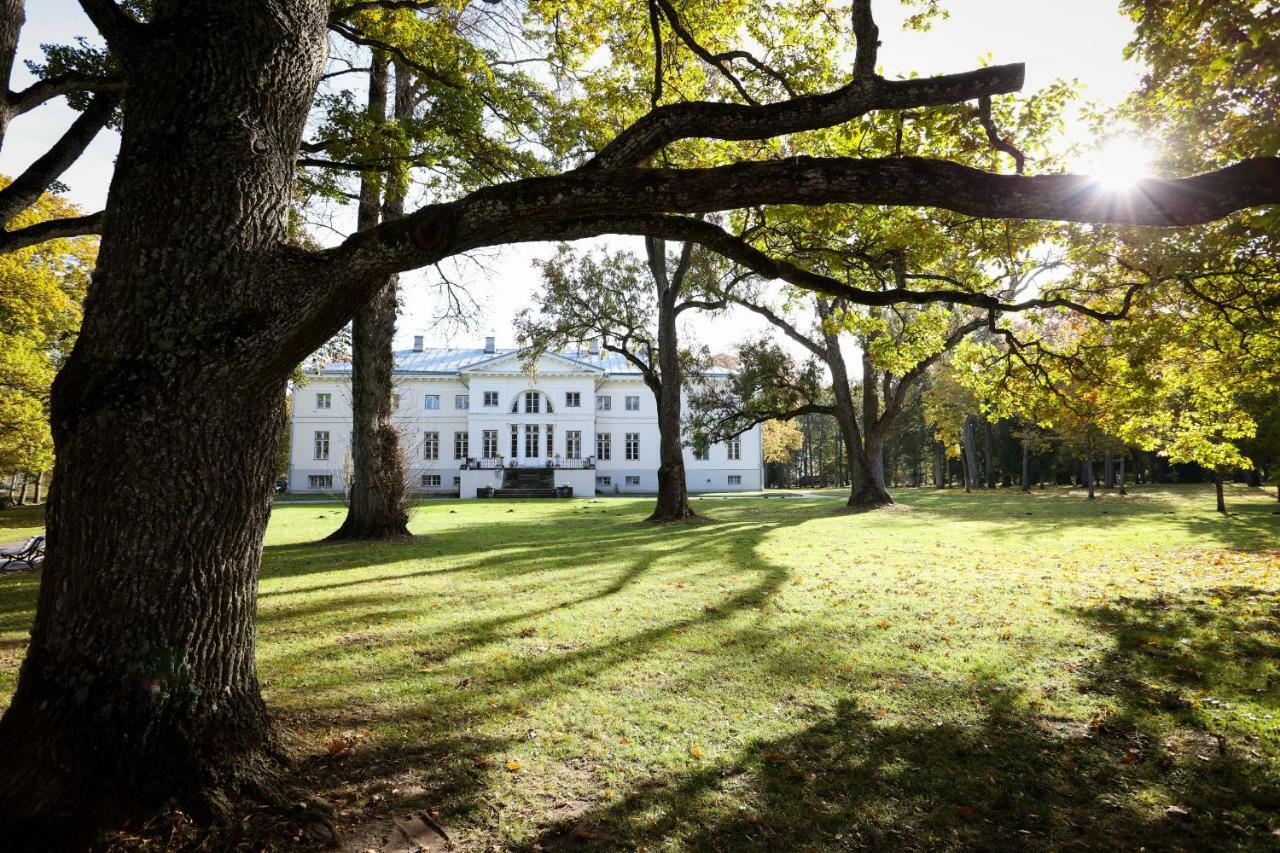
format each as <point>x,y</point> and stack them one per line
<point>1120,479</point>
<point>864,491</point>
<point>673,490</point>
<point>12,17</point>
<point>1218,492</point>
<point>939,466</point>
<point>1109,470</point>
<point>376,507</point>
<point>139,686</point>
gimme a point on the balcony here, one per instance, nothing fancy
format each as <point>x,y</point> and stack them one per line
<point>555,463</point>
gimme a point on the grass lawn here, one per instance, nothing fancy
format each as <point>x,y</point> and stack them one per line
<point>990,671</point>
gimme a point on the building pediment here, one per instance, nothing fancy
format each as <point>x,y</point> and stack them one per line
<point>548,364</point>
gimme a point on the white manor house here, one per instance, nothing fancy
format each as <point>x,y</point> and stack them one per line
<point>469,418</point>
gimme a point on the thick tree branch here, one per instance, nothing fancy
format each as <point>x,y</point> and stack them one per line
<point>53,229</point>
<point>28,186</point>
<point>714,120</point>
<point>868,40</point>
<point>120,29</point>
<point>344,12</point>
<point>62,84</point>
<point>588,203</point>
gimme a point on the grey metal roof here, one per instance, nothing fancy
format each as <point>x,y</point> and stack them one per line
<point>447,361</point>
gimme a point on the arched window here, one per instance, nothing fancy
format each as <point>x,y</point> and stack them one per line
<point>531,403</point>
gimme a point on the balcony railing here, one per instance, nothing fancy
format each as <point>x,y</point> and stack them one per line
<point>501,462</point>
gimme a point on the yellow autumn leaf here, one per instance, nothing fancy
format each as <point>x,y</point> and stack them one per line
<point>695,751</point>
<point>513,765</point>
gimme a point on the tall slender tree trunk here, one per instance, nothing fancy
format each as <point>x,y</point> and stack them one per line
<point>1219,492</point>
<point>39,483</point>
<point>1087,473</point>
<point>1026,462</point>
<point>1120,478</point>
<point>1109,470</point>
<point>969,454</point>
<point>139,686</point>
<point>667,386</point>
<point>989,459</point>
<point>939,466</point>
<point>376,509</point>
<point>22,493</point>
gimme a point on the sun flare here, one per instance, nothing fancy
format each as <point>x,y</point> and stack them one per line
<point>1120,162</point>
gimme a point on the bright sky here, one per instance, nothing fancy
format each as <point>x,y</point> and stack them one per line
<point>1082,39</point>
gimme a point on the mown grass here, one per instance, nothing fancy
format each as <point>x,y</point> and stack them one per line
<point>985,671</point>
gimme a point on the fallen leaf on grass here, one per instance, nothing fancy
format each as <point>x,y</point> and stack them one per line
<point>513,765</point>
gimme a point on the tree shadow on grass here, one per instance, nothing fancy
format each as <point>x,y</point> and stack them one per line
<point>449,764</point>
<point>1009,513</point>
<point>1165,771</point>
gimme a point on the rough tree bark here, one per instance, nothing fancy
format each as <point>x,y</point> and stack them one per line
<point>376,506</point>
<point>12,17</point>
<point>139,685</point>
<point>667,386</point>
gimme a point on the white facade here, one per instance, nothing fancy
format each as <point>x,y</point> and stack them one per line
<point>464,413</point>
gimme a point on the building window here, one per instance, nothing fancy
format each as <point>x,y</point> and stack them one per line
<point>633,481</point>
<point>572,399</point>
<point>491,398</point>
<point>515,441</point>
<point>320,481</point>
<point>633,446</point>
<point>322,444</point>
<point>573,444</point>
<point>604,481</point>
<point>457,481</point>
<point>432,401</point>
<point>489,443</point>
<point>735,448</point>
<point>431,479</point>
<point>431,445</point>
<point>461,445</point>
<point>532,402</point>
<point>461,401</point>
<point>633,404</point>
<point>604,403</point>
<point>324,401</point>
<point>550,450</point>
<point>735,479</point>
<point>531,441</point>
<point>604,445</point>
<point>702,454</point>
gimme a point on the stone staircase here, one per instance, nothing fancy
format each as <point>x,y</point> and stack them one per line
<point>527,483</point>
